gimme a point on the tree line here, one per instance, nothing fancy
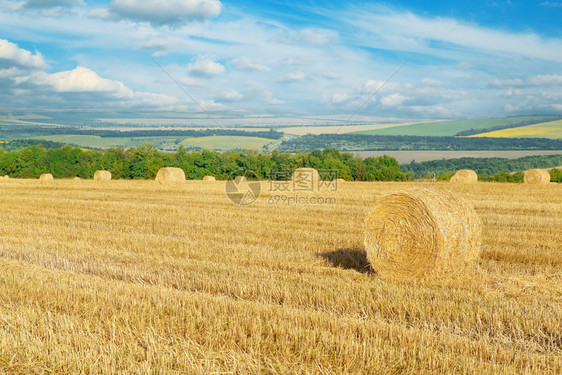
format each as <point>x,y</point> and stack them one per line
<point>364,142</point>
<point>143,162</point>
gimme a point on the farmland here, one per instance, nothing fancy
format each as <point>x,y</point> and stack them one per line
<point>130,277</point>
<point>552,129</point>
<point>226,142</point>
<point>451,128</point>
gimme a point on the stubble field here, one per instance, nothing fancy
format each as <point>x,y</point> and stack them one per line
<point>131,277</point>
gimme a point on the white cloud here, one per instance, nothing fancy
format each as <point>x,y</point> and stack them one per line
<point>410,32</point>
<point>393,100</point>
<point>316,36</point>
<point>163,12</point>
<point>203,67</point>
<point>14,55</point>
<point>244,63</point>
<point>82,79</point>
<point>230,95</point>
<point>292,77</point>
<point>532,81</point>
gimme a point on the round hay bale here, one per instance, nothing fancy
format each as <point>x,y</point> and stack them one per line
<point>170,175</point>
<point>102,176</point>
<point>422,232</point>
<point>306,179</point>
<point>537,176</point>
<point>340,180</point>
<point>240,179</point>
<point>76,178</point>
<point>209,178</point>
<point>464,176</point>
<point>6,177</point>
<point>46,177</point>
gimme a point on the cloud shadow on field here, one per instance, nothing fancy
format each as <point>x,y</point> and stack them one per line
<point>349,259</point>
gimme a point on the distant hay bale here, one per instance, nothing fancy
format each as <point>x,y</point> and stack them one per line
<point>422,232</point>
<point>240,179</point>
<point>46,177</point>
<point>537,176</point>
<point>6,177</point>
<point>340,180</point>
<point>76,178</point>
<point>102,175</point>
<point>464,176</point>
<point>209,178</point>
<point>170,175</point>
<point>306,179</point>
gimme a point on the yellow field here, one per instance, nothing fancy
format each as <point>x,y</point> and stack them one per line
<point>551,129</point>
<point>130,277</point>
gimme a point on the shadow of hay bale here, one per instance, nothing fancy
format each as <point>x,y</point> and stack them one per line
<point>349,259</point>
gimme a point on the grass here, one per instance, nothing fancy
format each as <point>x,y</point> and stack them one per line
<point>130,277</point>
<point>552,129</point>
<point>226,142</point>
<point>450,128</point>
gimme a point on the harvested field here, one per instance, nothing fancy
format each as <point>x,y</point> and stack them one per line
<point>133,278</point>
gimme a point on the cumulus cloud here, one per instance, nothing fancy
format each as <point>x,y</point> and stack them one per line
<point>230,95</point>
<point>170,12</point>
<point>292,77</point>
<point>393,100</point>
<point>244,63</point>
<point>11,54</point>
<point>206,68</point>
<point>82,79</point>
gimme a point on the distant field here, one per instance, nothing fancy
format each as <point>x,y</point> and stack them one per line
<point>450,128</point>
<point>336,129</point>
<point>106,142</point>
<point>226,142</point>
<point>168,142</point>
<point>552,129</point>
<point>419,156</point>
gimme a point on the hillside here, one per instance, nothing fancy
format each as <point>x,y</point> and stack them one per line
<point>451,128</point>
<point>551,129</point>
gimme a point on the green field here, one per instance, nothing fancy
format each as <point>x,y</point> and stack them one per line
<point>163,143</point>
<point>226,142</point>
<point>106,142</point>
<point>552,129</point>
<point>450,128</point>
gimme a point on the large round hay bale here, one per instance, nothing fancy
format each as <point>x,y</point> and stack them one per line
<point>306,179</point>
<point>537,176</point>
<point>209,178</point>
<point>102,176</point>
<point>464,176</point>
<point>340,181</point>
<point>76,178</point>
<point>170,175</point>
<point>6,177</point>
<point>46,177</point>
<point>422,232</point>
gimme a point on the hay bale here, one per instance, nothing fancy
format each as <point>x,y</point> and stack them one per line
<point>46,177</point>
<point>240,179</point>
<point>6,177</point>
<point>340,181</point>
<point>464,176</point>
<point>76,178</point>
<point>537,176</point>
<point>209,178</point>
<point>170,175</point>
<point>306,179</point>
<point>422,232</point>
<point>102,176</point>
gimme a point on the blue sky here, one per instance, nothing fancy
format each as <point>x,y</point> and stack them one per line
<point>465,59</point>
